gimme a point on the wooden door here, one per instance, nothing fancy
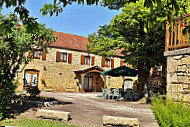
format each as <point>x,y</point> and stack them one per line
<point>88,84</point>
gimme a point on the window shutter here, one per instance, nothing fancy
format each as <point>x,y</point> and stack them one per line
<point>44,55</point>
<point>57,56</point>
<point>103,62</point>
<point>121,62</point>
<point>70,58</point>
<point>92,61</point>
<point>82,59</point>
<point>112,63</point>
<point>30,55</point>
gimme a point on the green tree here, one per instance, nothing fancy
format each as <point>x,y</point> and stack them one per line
<point>57,6</point>
<point>15,41</point>
<point>140,35</point>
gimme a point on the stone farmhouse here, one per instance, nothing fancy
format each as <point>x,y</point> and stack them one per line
<point>68,66</point>
<point>177,51</point>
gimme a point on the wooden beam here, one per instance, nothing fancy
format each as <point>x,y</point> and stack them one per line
<point>82,82</point>
<point>105,80</point>
<point>167,37</point>
<point>187,30</point>
<point>183,37</point>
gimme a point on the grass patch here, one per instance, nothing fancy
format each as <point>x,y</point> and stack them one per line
<point>25,122</point>
<point>170,113</point>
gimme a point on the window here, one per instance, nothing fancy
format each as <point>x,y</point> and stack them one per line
<point>37,54</point>
<point>107,62</point>
<point>31,79</point>
<point>87,60</point>
<point>127,64</point>
<point>63,57</point>
<point>128,84</point>
<point>122,63</point>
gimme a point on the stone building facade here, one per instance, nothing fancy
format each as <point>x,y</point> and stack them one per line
<point>68,66</point>
<point>178,74</point>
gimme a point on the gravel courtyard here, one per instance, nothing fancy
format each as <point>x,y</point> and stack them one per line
<point>87,109</point>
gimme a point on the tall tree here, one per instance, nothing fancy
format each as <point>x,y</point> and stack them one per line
<point>15,42</point>
<point>58,5</point>
<point>140,35</point>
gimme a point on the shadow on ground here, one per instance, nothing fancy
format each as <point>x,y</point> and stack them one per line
<point>18,108</point>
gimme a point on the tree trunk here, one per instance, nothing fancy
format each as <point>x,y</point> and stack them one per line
<point>142,77</point>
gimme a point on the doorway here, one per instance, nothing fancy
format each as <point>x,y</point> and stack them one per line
<point>31,78</point>
<point>88,83</point>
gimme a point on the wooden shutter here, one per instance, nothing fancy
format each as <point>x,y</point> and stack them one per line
<point>92,61</point>
<point>44,55</point>
<point>103,62</point>
<point>121,62</point>
<point>82,59</point>
<point>112,63</point>
<point>70,58</point>
<point>30,55</point>
<point>57,56</point>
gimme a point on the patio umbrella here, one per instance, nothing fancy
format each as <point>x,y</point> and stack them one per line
<point>121,71</point>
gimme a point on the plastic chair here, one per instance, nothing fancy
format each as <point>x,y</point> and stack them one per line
<point>114,93</point>
<point>105,93</point>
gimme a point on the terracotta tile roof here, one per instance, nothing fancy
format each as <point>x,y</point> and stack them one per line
<point>73,42</point>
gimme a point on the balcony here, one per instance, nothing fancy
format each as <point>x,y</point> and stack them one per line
<point>174,34</point>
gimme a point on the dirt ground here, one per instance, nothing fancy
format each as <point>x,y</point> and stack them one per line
<point>87,109</point>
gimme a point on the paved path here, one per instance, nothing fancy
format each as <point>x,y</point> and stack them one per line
<point>89,108</point>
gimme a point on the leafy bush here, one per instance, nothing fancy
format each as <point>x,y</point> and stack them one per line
<point>33,91</point>
<point>170,113</point>
<point>6,90</point>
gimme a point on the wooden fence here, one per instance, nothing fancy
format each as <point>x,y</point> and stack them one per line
<point>175,39</point>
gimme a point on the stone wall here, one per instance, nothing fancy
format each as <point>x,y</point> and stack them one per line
<point>178,74</point>
<point>60,75</point>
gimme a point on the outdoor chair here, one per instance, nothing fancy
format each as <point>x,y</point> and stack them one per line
<point>114,93</point>
<point>105,93</point>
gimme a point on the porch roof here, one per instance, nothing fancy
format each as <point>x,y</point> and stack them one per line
<point>86,69</point>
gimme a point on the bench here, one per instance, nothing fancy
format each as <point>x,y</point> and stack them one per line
<point>53,114</point>
<point>120,121</point>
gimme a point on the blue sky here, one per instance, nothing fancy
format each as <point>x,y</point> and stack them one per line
<point>75,19</point>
